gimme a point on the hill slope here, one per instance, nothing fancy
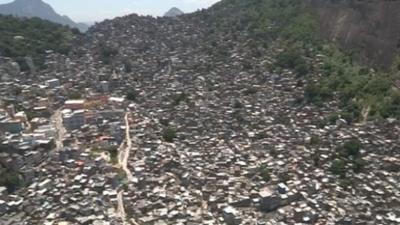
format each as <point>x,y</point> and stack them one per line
<point>369,28</point>
<point>38,8</point>
<point>32,37</point>
<point>260,113</point>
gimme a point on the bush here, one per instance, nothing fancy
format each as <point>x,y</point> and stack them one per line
<point>11,180</point>
<point>291,59</point>
<point>302,69</point>
<point>273,152</point>
<point>131,96</point>
<point>282,119</point>
<point>351,148</point>
<point>346,183</point>
<point>390,107</point>
<point>316,93</point>
<point>250,91</point>
<point>113,153</point>
<point>74,94</point>
<point>264,173</point>
<point>177,99</point>
<point>315,141</point>
<point>107,52</point>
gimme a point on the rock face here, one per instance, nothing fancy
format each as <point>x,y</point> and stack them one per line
<point>174,12</point>
<point>370,28</point>
<point>38,8</point>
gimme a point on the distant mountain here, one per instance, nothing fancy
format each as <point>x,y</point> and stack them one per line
<point>38,8</point>
<point>174,12</point>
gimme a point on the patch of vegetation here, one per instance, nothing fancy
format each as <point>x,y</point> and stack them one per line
<point>179,98</point>
<point>350,148</point>
<point>74,94</point>
<point>32,37</point>
<point>315,140</point>
<point>293,59</point>
<point>169,134</point>
<point>273,152</point>
<point>346,183</point>
<point>107,52</point>
<point>9,179</point>
<point>250,91</point>
<point>338,167</point>
<point>131,95</point>
<point>282,119</point>
<point>356,88</point>
<point>358,165</point>
<point>264,173</point>
<point>348,157</point>
<point>165,122</point>
<point>112,152</point>
<point>261,135</point>
<point>121,177</point>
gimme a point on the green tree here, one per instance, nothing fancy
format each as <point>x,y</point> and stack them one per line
<point>351,148</point>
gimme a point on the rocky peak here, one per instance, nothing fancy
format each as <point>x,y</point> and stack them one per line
<point>174,12</point>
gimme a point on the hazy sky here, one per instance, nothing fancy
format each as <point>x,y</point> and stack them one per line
<point>96,10</point>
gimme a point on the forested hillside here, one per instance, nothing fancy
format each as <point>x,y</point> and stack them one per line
<point>32,37</point>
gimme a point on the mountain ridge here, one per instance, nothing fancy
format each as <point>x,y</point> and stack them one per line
<point>40,9</point>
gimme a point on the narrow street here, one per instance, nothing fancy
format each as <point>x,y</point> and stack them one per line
<point>121,207</point>
<point>125,150</point>
<point>123,157</point>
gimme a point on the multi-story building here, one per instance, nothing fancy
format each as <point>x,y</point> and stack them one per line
<point>53,83</point>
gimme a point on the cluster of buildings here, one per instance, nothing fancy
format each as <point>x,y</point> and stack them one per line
<point>244,150</point>
<point>58,147</point>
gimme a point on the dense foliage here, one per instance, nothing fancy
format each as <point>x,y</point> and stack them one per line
<point>362,92</point>
<point>32,37</point>
<point>9,179</point>
<point>348,157</point>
